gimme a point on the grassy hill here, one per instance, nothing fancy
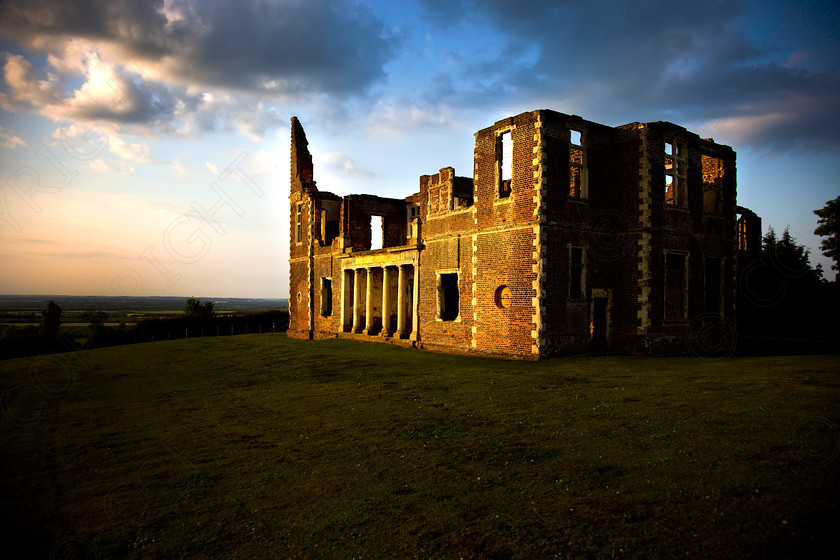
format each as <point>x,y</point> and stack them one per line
<point>260,446</point>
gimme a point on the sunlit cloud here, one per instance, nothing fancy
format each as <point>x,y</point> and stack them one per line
<point>9,140</point>
<point>144,64</point>
<point>342,165</point>
<point>403,116</point>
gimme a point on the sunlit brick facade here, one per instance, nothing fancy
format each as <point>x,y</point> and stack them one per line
<point>569,237</point>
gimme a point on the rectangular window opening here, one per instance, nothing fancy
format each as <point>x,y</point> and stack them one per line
<point>576,273</point>
<point>676,289</point>
<point>675,166</point>
<point>742,234</point>
<point>326,297</point>
<point>330,214</point>
<point>669,189</point>
<point>448,296</point>
<point>712,184</point>
<point>577,165</point>
<point>375,232</point>
<point>505,164</point>
<point>412,213</point>
<point>298,225</point>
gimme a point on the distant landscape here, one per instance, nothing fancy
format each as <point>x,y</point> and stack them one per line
<point>132,303</point>
<point>97,321</point>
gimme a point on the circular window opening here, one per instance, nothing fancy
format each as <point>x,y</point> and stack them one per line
<point>298,297</point>
<point>502,297</point>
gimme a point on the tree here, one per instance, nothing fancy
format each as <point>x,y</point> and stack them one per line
<point>828,226</point>
<point>51,320</point>
<point>788,257</point>
<point>194,308</point>
<point>95,318</point>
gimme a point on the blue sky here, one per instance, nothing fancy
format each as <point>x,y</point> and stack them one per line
<point>144,145</point>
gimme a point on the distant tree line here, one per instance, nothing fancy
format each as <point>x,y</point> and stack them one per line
<point>199,319</point>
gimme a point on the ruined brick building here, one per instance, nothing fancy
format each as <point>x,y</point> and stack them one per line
<point>570,236</point>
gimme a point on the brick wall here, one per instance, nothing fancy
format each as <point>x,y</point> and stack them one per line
<point>602,223</point>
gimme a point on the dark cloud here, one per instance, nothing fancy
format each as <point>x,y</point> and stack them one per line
<point>333,47</point>
<point>769,71</point>
<point>138,25</point>
<point>324,46</point>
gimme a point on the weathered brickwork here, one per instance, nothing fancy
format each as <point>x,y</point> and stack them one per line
<point>590,238</point>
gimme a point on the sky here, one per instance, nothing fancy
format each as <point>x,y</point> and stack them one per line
<point>144,146</point>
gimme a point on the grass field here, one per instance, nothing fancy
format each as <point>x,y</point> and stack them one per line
<point>258,446</point>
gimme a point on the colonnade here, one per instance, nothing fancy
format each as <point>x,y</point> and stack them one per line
<point>379,300</point>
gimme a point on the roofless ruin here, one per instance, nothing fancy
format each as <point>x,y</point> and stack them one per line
<point>569,236</point>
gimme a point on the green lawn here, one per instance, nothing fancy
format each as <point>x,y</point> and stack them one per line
<point>262,447</point>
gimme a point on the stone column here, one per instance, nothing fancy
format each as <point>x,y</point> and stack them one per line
<point>386,303</point>
<point>357,299</point>
<point>369,302</point>
<point>344,297</point>
<point>401,311</point>
<point>415,303</point>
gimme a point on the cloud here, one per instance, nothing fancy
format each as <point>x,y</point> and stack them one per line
<point>108,93</point>
<point>403,116</point>
<point>9,140</point>
<point>286,47</point>
<point>186,68</point>
<point>775,88</point>
<point>178,166</point>
<point>343,165</point>
<point>109,166</point>
<point>26,88</point>
<point>136,152</point>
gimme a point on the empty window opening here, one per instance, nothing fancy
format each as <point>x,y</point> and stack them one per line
<point>375,232</point>
<point>462,193</point>
<point>505,164</point>
<point>577,165</point>
<point>330,214</point>
<point>326,297</point>
<point>712,184</point>
<point>298,225</point>
<point>448,296</point>
<point>502,297</point>
<point>676,288</point>
<point>669,189</point>
<point>743,244</point>
<point>329,228</point>
<point>576,273</point>
<point>412,213</point>
<point>675,167</point>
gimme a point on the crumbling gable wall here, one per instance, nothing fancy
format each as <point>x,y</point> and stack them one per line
<point>302,207</point>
